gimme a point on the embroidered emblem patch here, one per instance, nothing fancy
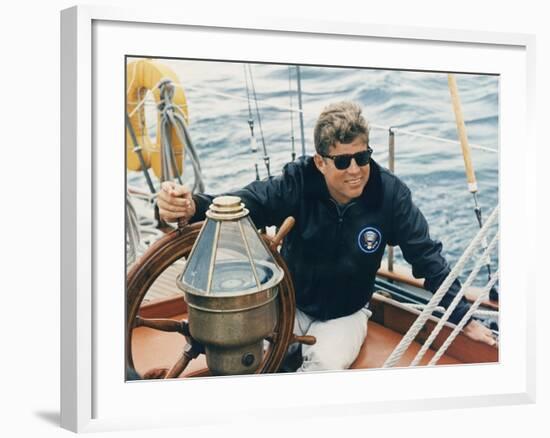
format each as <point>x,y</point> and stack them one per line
<point>369,239</point>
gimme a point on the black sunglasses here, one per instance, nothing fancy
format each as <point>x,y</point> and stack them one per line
<point>342,162</point>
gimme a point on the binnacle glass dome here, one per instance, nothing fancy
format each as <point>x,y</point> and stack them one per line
<point>229,257</point>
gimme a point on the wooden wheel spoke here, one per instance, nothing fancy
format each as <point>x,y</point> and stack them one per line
<point>163,324</point>
<point>285,228</point>
<point>178,367</point>
<point>190,352</point>
<point>307,340</point>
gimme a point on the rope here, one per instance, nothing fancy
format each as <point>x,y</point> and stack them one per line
<point>460,326</point>
<point>168,159</point>
<point>137,193</point>
<point>142,101</point>
<point>141,116</point>
<point>454,303</point>
<point>141,231</point>
<point>132,232</point>
<point>439,309</point>
<point>150,103</point>
<point>183,134</point>
<point>172,115</point>
<point>442,290</point>
<point>132,80</point>
<point>486,313</point>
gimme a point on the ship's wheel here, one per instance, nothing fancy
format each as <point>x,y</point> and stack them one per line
<point>160,256</point>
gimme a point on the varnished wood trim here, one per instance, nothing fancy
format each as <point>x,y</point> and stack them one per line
<point>163,307</point>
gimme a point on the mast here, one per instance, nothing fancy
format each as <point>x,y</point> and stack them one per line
<point>468,165</point>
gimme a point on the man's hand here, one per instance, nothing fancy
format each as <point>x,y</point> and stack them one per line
<point>175,202</point>
<point>478,332</point>
<point>156,373</point>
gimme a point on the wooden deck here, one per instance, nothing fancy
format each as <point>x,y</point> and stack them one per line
<point>154,349</point>
<point>165,285</point>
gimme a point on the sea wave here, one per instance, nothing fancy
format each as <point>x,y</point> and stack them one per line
<point>418,101</point>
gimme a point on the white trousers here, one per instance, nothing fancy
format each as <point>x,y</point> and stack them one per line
<point>338,340</point>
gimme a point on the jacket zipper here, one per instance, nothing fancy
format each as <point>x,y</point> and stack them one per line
<point>340,214</point>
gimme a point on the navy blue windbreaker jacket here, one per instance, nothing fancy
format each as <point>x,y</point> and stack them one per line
<point>333,252</point>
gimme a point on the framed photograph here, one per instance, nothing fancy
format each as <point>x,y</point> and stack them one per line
<point>209,107</point>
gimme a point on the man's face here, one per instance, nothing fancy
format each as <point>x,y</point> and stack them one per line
<point>347,184</point>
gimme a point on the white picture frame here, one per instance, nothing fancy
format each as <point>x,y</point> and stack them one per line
<point>94,396</point>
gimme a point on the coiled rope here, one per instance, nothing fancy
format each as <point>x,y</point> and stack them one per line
<point>172,116</point>
<point>442,290</point>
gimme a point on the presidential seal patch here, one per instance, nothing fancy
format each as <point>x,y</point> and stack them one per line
<point>369,239</point>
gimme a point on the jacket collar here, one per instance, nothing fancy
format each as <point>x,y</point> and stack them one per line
<point>316,187</point>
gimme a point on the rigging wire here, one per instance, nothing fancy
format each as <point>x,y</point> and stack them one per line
<point>235,97</point>
<point>295,110</point>
<point>291,114</point>
<point>266,156</point>
<point>300,106</point>
<point>253,143</point>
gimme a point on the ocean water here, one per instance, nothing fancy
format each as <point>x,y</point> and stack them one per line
<point>413,101</point>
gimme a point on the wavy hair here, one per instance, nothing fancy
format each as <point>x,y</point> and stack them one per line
<point>339,122</point>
